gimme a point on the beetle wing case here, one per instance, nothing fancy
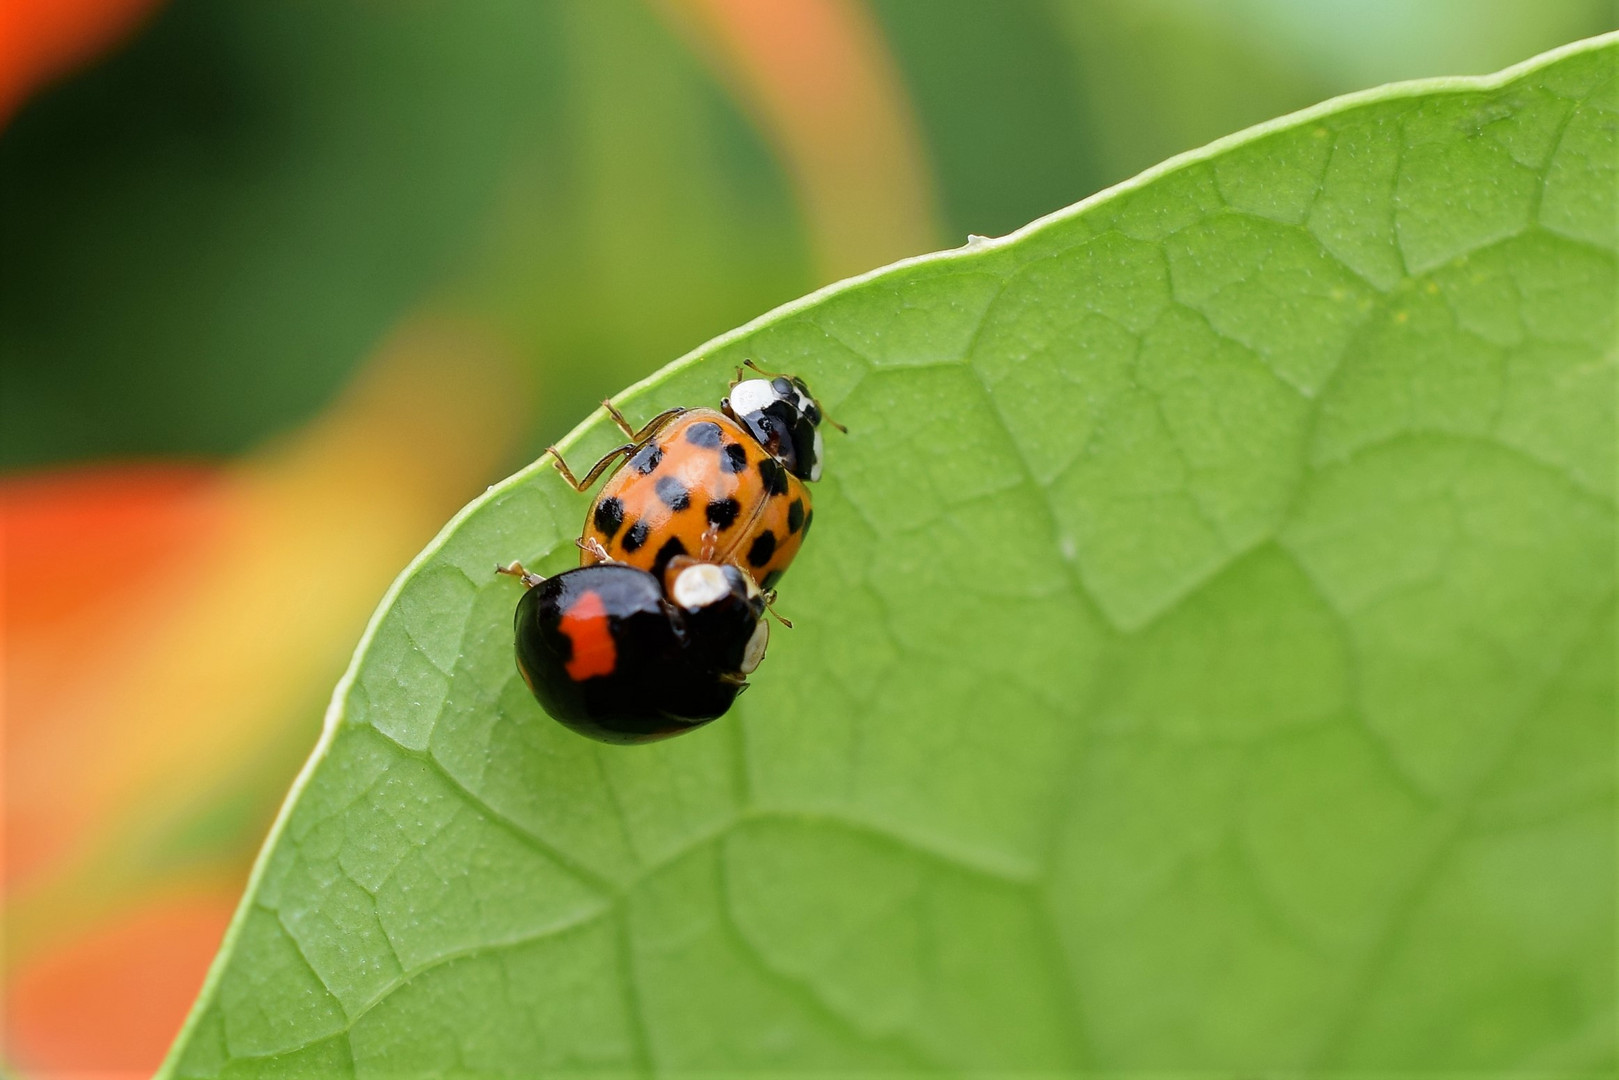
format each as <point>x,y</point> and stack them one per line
<point>607,655</point>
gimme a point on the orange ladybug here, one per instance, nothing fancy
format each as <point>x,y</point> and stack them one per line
<point>724,486</point>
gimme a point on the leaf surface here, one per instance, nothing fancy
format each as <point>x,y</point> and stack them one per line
<point>1204,658</point>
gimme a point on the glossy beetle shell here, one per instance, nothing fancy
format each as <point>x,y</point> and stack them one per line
<point>607,654</point>
<point>702,482</point>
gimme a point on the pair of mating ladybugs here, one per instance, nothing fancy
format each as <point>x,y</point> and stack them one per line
<point>658,628</point>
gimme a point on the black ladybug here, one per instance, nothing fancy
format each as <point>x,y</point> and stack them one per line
<point>611,656</point>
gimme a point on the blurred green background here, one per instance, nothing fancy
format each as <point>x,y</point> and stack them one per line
<point>284,284</point>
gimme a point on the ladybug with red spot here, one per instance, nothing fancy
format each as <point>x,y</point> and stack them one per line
<point>657,630</point>
<point>611,656</point>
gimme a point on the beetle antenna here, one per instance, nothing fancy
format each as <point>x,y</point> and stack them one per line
<point>759,370</point>
<point>755,368</point>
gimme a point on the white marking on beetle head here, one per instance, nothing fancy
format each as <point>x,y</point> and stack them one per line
<point>752,395</point>
<point>815,462</point>
<point>755,651</point>
<point>701,585</point>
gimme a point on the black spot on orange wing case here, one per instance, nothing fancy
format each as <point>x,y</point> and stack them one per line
<point>785,518</point>
<point>608,516</point>
<point>721,513</point>
<point>690,494</point>
<point>705,433</point>
<point>762,550</point>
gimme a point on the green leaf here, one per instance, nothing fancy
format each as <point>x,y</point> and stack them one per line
<point>1204,658</point>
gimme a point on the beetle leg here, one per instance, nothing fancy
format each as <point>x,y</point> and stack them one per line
<point>711,543</point>
<point>649,428</point>
<point>618,418</point>
<point>595,470</point>
<point>770,606</point>
<point>515,569</point>
<point>656,424</point>
<point>594,547</point>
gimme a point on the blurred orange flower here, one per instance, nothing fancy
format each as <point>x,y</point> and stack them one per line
<point>42,39</point>
<point>170,632</point>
